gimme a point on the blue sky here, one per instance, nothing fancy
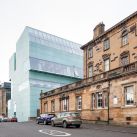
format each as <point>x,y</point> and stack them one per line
<point>70,19</point>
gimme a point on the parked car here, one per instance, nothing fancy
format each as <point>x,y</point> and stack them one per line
<point>13,119</point>
<point>5,119</point>
<point>44,118</point>
<point>67,119</point>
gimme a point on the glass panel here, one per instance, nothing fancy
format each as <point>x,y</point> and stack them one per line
<point>90,71</point>
<point>125,39</point>
<point>79,103</point>
<point>99,100</point>
<point>56,42</point>
<point>106,63</point>
<point>129,95</point>
<point>45,84</point>
<point>52,67</point>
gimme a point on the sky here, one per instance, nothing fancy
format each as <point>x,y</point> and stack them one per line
<point>70,19</point>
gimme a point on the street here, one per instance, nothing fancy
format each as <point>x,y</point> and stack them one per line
<point>31,129</point>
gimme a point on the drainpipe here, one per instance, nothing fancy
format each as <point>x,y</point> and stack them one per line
<point>108,102</point>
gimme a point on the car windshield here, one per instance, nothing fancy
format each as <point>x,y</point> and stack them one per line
<point>52,115</point>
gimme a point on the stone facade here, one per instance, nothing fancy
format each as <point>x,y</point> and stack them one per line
<point>108,91</point>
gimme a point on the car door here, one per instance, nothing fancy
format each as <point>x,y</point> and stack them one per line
<point>61,118</point>
<point>57,119</point>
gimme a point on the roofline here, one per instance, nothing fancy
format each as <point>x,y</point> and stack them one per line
<point>110,29</point>
<point>54,35</point>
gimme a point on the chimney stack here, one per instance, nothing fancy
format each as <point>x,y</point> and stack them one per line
<point>98,30</point>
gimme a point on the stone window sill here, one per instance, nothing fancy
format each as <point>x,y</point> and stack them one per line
<point>124,45</point>
<point>129,106</point>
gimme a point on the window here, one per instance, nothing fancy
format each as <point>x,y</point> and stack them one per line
<point>46,107</point>
<point>53,106</point>
<point>124,38</point>
<point>64,103</point>
<point>106,65</point>
<point>65,106</point>
<point>93,101</point>
<point>90,70</point>
<point>105,99</point>
<point>124,60</point>
<point>99,100</point>
<point>129,95</point>
<point>106,44</point>
<point>79,103</point>
<point>90,52</point>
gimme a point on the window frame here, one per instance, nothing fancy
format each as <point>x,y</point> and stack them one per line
<point>123,63</point>
<point>79,102</point>
<point>90,70</point>
<point>124,38</point>
<point>125,95</point>
<point>97,98</point>
<point>93,101</point>
<point>52,105</point>
<point>105,70</point>
<point>106,44</point>
<point>102,100</point>
<point>90,52</point>
<point>65,104</point>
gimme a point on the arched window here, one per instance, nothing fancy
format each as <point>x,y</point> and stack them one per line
<point>124,37</point>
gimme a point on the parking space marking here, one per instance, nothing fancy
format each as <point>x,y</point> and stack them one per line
<point>54,132</point>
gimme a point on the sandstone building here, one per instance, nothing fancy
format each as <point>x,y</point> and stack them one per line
<point>108,91</point>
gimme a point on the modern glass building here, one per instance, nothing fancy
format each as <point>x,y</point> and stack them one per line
<point>42,62</point>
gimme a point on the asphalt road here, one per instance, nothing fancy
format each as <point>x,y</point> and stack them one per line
<point>30,129</point>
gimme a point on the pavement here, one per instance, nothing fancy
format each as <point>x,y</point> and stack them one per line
<point>112,128</point>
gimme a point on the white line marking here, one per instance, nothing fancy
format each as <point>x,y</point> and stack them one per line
<point>54,132</point>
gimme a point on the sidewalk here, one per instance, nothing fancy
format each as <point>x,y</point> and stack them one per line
<point>112,128</point>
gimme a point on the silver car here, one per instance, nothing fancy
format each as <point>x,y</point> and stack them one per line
<point>67,119</point>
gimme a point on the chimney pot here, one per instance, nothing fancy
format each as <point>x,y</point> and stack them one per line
<point>98,30</point>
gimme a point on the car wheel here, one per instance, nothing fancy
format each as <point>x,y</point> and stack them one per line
<point>45,122</point>
<point>52,124</point>
<point>37,122</point>
<point>65,124</point>
<point>77,126</point>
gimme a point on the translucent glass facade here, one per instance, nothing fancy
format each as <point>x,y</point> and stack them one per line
<point>44,84</point>
<point>44,38</point>
<point>42,62</point>
<point>55,68</point>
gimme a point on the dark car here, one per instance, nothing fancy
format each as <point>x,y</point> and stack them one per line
<point>13,119</point>
<point>67,119</point>
<point>44,118</point>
